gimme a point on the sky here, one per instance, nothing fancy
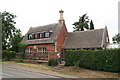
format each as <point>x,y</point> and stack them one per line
<point>32,13</point>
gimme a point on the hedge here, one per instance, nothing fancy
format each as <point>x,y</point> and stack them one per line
<point>103,60</point>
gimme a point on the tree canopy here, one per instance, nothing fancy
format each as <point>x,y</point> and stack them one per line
<point>10,34</point>
<point>91,25</point>
<point>17,37</point>
<point>83,24</point>
<point>116,38</point>
<point>8,29</point>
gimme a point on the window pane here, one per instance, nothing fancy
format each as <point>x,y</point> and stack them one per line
<point>30,51</point>
<point>42,51</point>
<point>46,34</point>
<point>40,35</point>
<point>30,36</point>
<point>35,36</point>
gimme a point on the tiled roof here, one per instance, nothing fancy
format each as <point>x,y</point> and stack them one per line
<point>55,28</point>
<point>84,39</point>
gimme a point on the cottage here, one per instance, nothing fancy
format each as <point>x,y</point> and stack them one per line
<point>46,42</point>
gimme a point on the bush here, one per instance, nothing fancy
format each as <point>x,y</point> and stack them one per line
<point>7,55</point>
<point>52,62</point>
<point>19,61</point>
<point>22,56</point>
<point>5,59</point>
<point>22,47</point>
<point>104,60</point>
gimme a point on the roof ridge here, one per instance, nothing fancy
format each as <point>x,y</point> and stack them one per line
<point>44,25</point>
<point>87,30</point>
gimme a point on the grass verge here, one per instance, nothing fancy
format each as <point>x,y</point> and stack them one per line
<point>73,71</point>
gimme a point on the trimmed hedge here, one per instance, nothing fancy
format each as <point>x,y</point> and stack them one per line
<point>52,62</point>
<point>103,60</point>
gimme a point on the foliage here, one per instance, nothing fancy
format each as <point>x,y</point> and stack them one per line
<point>5,59</point>
<point>8,29</point>
<point>52,62</point>
<point>91,25</point>
<point>22,47</point>
<point>116,38</point>
<point>11,36</point>
<point>19,61</point>
<point>15,41</point>
<point>22,56</point>
<point>7,55</point>
<point>104,60</point>
<point>81,24</point>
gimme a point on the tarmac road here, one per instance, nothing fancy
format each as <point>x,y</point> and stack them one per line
<point>8,72</point>
<point>16,72</point>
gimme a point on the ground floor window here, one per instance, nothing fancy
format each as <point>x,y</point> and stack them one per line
<point>42,51</point>
<point>29,51</point>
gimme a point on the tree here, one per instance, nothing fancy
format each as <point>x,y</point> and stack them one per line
<point>91,25</point>
<point>82,23</point>
<point>116,38</point>
<point>8,29</point>
<point>16,40</point>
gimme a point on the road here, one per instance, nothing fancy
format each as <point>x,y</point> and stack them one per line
<point>16,72</point>
<point>8,71</point>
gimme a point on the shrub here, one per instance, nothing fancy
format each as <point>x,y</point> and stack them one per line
<point>5,59</point>
<point>104,60</point>
<point>19,61</point>
<point>52,62</point>
<point>22,47</point>
<point>22,56</point>
<point>7,55</point>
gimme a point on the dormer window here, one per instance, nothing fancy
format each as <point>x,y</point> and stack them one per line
<point>29,36</point>
<point>33,36</point>
<point>36,36</point>
<point>47,35</point>
<point>39,35</point>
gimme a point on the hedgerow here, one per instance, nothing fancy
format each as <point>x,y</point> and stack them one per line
<point>104,60</point>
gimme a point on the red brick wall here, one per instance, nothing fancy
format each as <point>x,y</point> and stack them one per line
<point>49,47</point>
<point>61,38</point>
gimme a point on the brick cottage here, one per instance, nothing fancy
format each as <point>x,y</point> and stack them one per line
<point>46,42</point>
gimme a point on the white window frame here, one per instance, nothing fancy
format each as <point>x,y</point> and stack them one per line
<point>30,36</point>
<point>47,35</point>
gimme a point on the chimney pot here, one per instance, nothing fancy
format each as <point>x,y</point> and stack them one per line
<point>61,20</point>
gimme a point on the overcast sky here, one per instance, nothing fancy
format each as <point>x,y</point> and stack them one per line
<point>32,13</point>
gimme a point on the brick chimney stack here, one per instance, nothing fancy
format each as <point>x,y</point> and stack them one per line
<point>61,20</point>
